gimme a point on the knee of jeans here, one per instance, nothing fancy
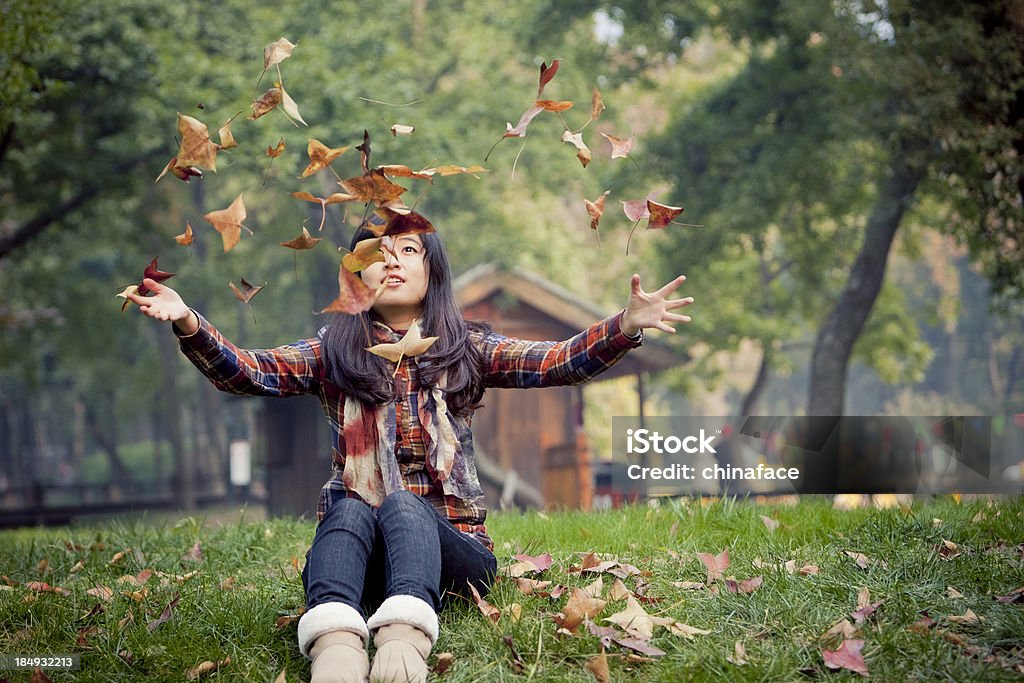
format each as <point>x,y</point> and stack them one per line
<point>405,501</point>
<point>343,508</point>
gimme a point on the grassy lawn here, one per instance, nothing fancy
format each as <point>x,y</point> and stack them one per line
<point>918,586</point>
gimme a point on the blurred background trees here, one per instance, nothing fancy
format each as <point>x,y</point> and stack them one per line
<point>856,167</point>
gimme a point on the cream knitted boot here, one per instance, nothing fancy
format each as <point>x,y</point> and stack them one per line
<point>404,628</point>
<point>333,635</point>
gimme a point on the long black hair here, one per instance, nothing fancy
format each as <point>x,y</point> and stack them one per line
<point>368,378</point>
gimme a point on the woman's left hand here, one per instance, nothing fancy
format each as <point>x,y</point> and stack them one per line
<point>652,309</point>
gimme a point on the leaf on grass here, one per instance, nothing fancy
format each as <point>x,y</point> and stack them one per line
<point>281,678</point>
<point>517,662</point>
<point>739,656</point>
<point>486,608</point>
<point>120,555</point>
<point>227,140</point>
<point>621,147</point>
<point>546,74</point>
<point>274,152</point>
<point>968,617</point>
<point>746,586</point>
<point>1014,596</point>
<point>42,587</point>
<point>265,103</point>
<point>619,591</point>
<point>553,105</point>
<point>661,215</point>
<point>923,625</point>
<point>83,635</point>
<point>303,241</point>
<point>366,253</point>
<point>409,346</point>
<point>540,562</point>
<point>444,662</point>
<point>206,668</point>
<point>862,560</point>
<point>277,52</point>
<point>595,209</point>
<point>530,586</point>
<point>640,645</point>
<point>576,140</point>
<point>102,592</point>
<point>165,615</point>
<point>953,593</point>
<point>194,554</point>
<point>716,564</point>
<point>320,156</point>
<point>245,294</point>
<point>196,148</point>
<point>689,585</point>
<point>770,524</point>
<point>186,238</point>
<point>401,129</point>
<point>578,607</point>
<point>139,579</point>
<point>842,628</point>
<point>948,550</point>
<point>847,656</point>
<point>353,294</point>
<point>598,666</point>
<point>634,620</point>
<point>596,104</point>
<point>595,589</point>
<point>38,676</point>
<point>228,222</point>
<point>519,130</point>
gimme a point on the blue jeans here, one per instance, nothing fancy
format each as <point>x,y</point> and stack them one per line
<point>361,556</point>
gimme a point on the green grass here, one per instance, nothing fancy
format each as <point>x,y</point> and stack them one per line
<point>779,624</point>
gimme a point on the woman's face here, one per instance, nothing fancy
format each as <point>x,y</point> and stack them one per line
<point>405,272</point>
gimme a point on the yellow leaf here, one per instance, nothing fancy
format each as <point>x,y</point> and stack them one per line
<point>277,52</point>
<point>411,345</point>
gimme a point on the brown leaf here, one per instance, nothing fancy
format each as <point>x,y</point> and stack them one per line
<point>517,661</point>
<point>923,625</point>
<point>101,592</point>
<point>228,222</point>
<point>38,676</point>
<point>120,555</point>
<point>130,289</point>
<point>530,586</point>
<point>842,628</point>
<point>1014,596</point>
<point>453,169</point>
<point>277,52</point>
<point>948,550</point>
<point>83,635</point>
<point>444,662</point>
<point>739,656</point>
<point>661,215</point>
<point>553,105</point>
<point>578,607</point>
<point>196,148</point>
<point>619,591</point>
<point>621,147</point>
<point>41,587</point>
<point>364,152</point>
<point>281,678</point>
<point>274,152</point>
<point>320,156</point>
<point>410,345</point>
<point>185,174</point>
<point>400,171</point>
<point>640,645</point>
<point>366,253</point>
<point>185,238</point>
<point>546,74</point>
<point>596,209</point>
<point>595,589</point>
<point>353,294</point>
<point>635,209</point>
<point>716,564</point>
<point>598,666</point>
<point>303,241</point>
<point>596,104</point>
<point>770,524</point>
<point>245,295</point>
<point>968,617</point>
<point>862,560</point>
<point>519,130</point>
<point>165,615</point>
<point>576,140</point>
<point>372,186</point>
<point>486,608</point>
<point>266,103</point>
<point>540,562</point>
<point>403,222</point>
<point>848,656</point>
<point>634,620</point>
<point>194,554</point>
<point>227,140</point>
<point>400,129</point>
<point>206,667</point>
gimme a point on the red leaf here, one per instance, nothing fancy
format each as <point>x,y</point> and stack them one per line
<point>848,656</point>
<point>716,564</point>
<point>541,562</point>
<point>546,74</point>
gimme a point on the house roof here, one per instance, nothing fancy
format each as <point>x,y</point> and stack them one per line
<point>488,280</point>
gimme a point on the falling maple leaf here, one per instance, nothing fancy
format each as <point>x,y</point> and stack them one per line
<point>372,186</point>
<point>130,289</point>
<point>365,253</point>
<point>400,171</point>
<point>596,209</point>
<point>716,564</point>
<point>291,109</point>
<point>266,103</point>
<point>596,104</point>
<point>274,152</point>
<point>336,198</point>
<point>247,290</point>
<point>303,241</point>
<point>186,173</point>
<point>553,105</point>
<point>277,52</point>
<point>635,209</point>
<point>519,130</point>
<point>364,152</point>
<point>576,140</point>
<point>185,238</point>
<point>403,222</point>
<point>412,344</point>
<point>320,156</point>
<point>546,74</point>
<point>228,222</point>
<point>400,129</point>
<point>153,273</point>
<point>227,140</point>
<point>196,147</point>
<point>661,215</point>
<point>847,656</point>
<point>353,294</point>
<point>453,169</point>
<point>620,146</point>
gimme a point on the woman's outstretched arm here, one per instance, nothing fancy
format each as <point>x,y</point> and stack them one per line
<point>283,371</point>
<point>523,364</point>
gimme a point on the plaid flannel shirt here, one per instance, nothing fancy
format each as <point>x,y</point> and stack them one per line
<point>296,368</point>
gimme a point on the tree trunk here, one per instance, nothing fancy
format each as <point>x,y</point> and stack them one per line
<point>844,324</point>
<point>760,382</point>
<point>183,458</point>
<point>119,474</point>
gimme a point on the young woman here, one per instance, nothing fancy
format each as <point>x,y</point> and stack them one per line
<point>402,516</point>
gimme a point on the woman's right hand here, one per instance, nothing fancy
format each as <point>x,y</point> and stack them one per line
<point>166,304</point>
